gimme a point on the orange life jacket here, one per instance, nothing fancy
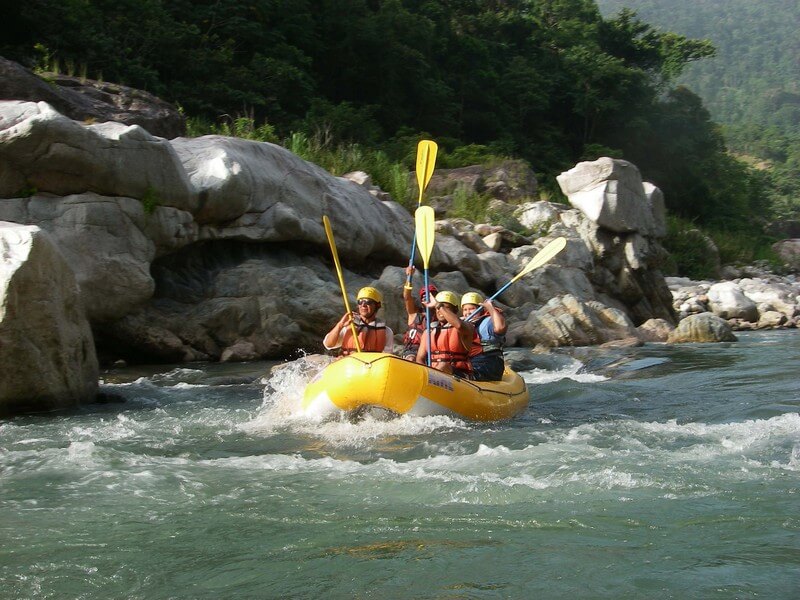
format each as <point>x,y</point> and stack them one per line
<point>446,347</point>
<point>371,337</point>
<point>477,348</point>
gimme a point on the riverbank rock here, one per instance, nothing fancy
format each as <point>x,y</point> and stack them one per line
<point>789,252</point>
<point>88,100</point>
<point>567,321</point>
<point>509,181</point>
<point>704,327</point>
<point>743,301</point>
<point>213,248</point>
<point>655,330</point>
<point>47,355</point>
<point>727,301</point>
<point>611,193</point>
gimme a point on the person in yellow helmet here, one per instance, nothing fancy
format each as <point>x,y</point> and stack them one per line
<point>373,335</point>
<point>416,316</point>
<point>487,357</point>
<point>451,338</point>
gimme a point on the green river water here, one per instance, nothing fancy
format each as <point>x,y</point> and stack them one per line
<point>653,472</point>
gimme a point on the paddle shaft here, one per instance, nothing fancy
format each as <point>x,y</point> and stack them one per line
<point>332,243</point>
<point>543,256</point>
<point>425,231</point>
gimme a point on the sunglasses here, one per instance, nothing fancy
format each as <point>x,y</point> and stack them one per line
<point>367,303</point>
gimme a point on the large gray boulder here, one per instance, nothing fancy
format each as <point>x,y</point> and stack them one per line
<point>727,300</point>
<point>44,151</point>
<point>789,252</point>
<point>568,321</point>
<point>84,99</point>
<point>610,192</point>
<point>261,192</point>
<point>109,243</point>
<point>47,355</point>
<point>510,180</point>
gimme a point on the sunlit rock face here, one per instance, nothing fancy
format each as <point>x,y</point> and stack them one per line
<point>47,357</point>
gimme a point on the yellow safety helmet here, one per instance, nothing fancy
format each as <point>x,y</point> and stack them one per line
<point>472,298</point>
<point>449,298</point>
<point>370,293</point>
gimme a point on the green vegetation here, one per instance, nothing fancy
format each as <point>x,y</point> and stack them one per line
<point>354,84</point>
<point>26,191</point>
<point>690,253</point>
<point>150,200</point>
<point>468,205</point>
<point>751,86</point>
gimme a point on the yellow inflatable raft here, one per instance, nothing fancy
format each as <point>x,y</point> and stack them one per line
<point>377,382</point>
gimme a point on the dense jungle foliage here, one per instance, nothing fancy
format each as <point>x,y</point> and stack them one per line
<point>550,81</point>
<point>752,85</point>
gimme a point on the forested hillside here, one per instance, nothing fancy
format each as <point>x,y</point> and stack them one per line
<point>752,84</point>
<point>550,81</point>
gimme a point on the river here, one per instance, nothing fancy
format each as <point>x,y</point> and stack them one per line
<point>660,471</point>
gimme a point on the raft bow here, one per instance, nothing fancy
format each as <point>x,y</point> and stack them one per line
<point>381,383</point>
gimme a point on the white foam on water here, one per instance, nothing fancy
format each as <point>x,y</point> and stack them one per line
<point>678,459</point>
<point>569,371</point>
<point>281,412</point>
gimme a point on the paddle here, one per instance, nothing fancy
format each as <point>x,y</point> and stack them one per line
<point>426,161</point>
<point>425,232</point>
<point>329,233</point>
<point>543,256</point>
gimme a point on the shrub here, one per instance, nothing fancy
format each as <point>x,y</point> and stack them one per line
<point>689,251</point>
<point>468,205</point>
<point>740,248</point>
<point>150,200</point>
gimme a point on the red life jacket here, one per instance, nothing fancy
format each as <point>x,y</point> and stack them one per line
<point>414,334</point>
<point>371,337</point>
<point>446,347</point>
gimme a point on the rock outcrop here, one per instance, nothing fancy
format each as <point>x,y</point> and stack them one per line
<point>213,248</point>
<point>88,100</point>
<point>47,356</point>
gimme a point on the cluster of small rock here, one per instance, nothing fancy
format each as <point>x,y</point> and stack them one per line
<point>753,298</point>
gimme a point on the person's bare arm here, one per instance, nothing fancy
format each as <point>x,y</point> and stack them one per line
<point>333,338</point>
<point>498,319</point>
<point>465,330</point>
<point>422,352</point>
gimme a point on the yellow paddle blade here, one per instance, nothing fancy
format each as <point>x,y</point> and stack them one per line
<point>544,255</point>
<point>424,219</point>
<point>426,161</point>
<point>329,232</point>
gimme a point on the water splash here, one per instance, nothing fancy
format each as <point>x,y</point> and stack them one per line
<point>280,412</point>
<point>573,370</point>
